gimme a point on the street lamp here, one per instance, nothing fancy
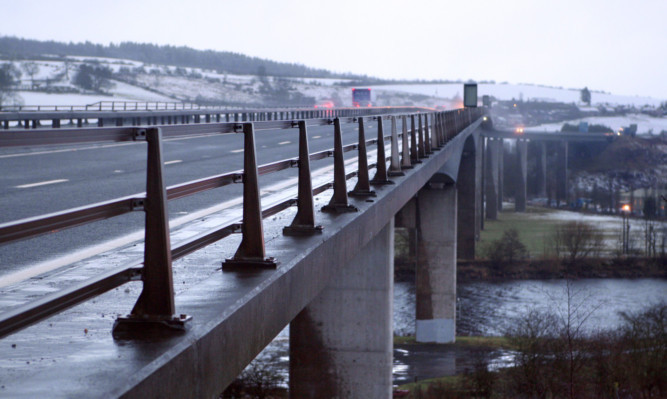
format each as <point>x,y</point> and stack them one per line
<point>625,211</point>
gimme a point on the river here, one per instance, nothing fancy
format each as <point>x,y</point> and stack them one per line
<point>488,308</point>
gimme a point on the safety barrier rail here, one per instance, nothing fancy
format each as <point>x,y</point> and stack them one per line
<point>428,132</point>
<point>86,116</point>
<point>113,106</point>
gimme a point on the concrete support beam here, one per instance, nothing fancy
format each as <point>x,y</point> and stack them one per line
<point>501,173</point>
<point>479,188</point>
<point>491,178</point>
<point>561,172</point>
<point>407,216</point>
<point>522,168</point>
<point>341,345</point>
<point>436,267</point>
<point>467,224</point>
<point>542,170</point>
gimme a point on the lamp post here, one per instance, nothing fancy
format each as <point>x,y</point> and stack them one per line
<point>625,212</point>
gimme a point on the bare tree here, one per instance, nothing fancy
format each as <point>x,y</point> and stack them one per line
<point>31,68</point>
<point>577,240</point>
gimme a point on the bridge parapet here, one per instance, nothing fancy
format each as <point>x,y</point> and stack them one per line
<point>220,313</point>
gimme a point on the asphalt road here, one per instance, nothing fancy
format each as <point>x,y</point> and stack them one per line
<point>36,181</point>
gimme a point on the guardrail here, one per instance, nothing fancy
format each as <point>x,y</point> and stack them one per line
<point>113,106</point>
<point>82,117</point>
<point>155,306</point>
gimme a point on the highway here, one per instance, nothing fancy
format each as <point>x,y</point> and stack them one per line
<point>36,181</point>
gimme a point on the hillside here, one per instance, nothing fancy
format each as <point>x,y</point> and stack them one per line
<point>220,61</point>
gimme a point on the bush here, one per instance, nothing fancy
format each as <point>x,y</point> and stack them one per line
<point>506,249</point>
<point>577,240</point>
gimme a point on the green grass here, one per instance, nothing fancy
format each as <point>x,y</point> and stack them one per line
<point>533,233</point>
<point>423,385</point>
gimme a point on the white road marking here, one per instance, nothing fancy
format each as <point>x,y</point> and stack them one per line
<point>284,142</point>
<point>317,137</point>
<point>97,147</point>
<point>69,259</point>
<point>173,162</point>
<point>236,151</point>
<point>42,183</point>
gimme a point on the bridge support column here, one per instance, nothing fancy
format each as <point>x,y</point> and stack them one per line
<point>436,266</point>
<point>341,345</point>
<point>501,173</point>
<point>467,225</point>
<point>522,168</point>
<point>542,171</point>
<point>561,173</point>
<point>491,178</point>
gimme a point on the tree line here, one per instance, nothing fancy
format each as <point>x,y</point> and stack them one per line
<point>220,61</point>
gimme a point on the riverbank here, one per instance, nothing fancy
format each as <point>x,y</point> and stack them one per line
<point>541,269</point>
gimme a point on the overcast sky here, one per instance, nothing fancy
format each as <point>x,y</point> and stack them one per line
<point>619,46</point>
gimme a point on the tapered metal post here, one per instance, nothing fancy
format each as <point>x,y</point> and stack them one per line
<point>380,177</point>
<point>405,144</point>
<point>414,150</point>
<point>339,202</point>
<point>435,144</point>
<point>427,137</point>
<point>363,187</point>
<point>154,310</point>
<point>251,252</point>
<point>304,221</point>
<point>437,122</point>
<point>395,165</point>
<point>422,147</point>
<point>443,137</point>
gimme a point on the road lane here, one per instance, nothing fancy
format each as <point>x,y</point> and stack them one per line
<point>109,171</point>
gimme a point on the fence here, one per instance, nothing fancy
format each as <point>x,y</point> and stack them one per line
<point>428,131</point>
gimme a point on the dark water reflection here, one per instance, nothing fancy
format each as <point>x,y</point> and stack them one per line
<point>486,308</point>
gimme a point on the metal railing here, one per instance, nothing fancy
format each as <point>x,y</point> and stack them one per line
<point>135,114</point>
<point>428,132</point>
<point>113,106</point>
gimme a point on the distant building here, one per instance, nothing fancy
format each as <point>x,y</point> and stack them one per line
<point>637,200</point>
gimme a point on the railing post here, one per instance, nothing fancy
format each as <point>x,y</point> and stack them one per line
<point>441,129</point>
<point>422,142</point>
<point>339,202</point>
<point>251,252</point>
<point>154,310</point>
<point>405,144</point>
<point>363,187</point>
<point>434,132</point>
<point>414,151</point>
<point>427,136</point>
<point>395,165</point>
<point>304,221</point>
<point>381,164</point>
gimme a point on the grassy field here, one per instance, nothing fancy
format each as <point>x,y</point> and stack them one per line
<point>534,232</point>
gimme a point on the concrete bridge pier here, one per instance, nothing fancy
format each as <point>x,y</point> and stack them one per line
<point>341,344</point>
<point>522,160</point>
<point>561,173</point>
<point>501,173</point>
<point>468,185</point>
<point>491,177</point>
<point>542,170</point>
<point>436,265</point>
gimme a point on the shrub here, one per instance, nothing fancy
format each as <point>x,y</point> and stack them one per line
<point>506,249</point>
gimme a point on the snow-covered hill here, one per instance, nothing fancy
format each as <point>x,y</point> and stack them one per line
<point>135,81</point>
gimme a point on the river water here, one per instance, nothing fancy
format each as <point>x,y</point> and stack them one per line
<point>488,308</point>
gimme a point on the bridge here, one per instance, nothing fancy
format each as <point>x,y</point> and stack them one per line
<point>183,311</point>
<point>545,143</point>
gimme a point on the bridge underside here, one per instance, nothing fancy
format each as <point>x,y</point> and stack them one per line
<point>81,359</point>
